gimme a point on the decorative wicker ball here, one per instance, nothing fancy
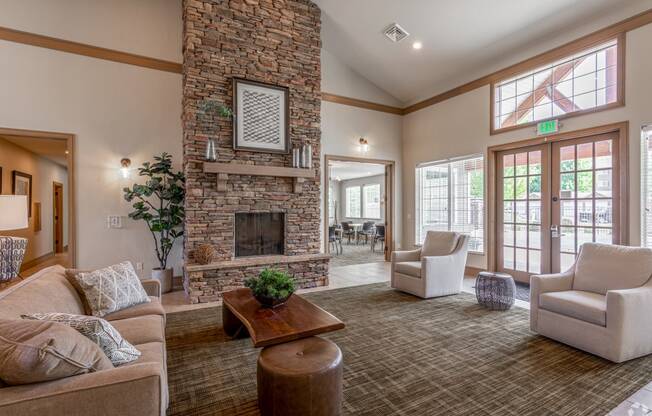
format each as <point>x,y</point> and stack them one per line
<point>204,254</point>
<point>495,290</point>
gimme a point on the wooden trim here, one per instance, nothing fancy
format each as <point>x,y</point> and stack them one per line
<point>472,271</point>
<point>70,146</point>
<point>390,187</point>
<point>83,49</point>
<point>620,100</point>
<point>258,170</point>
<point>621,128</point>
<point>354,102</point>
<point>35,262</point>
<point>569,48</point>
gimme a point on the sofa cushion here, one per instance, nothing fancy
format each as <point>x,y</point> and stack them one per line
<point>603,267</point>
<point>439,243</point>
<point>36,351</point>
<point>154,352</point>
<point>410,268</point>
<point>585,306</point>
<point>46,291</point>
<point>72,276</point>
<point>154,307</point>
<point>98,330</point>
<point>112,288</point>
<point>141,329</point>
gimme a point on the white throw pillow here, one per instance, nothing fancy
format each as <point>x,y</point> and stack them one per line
<point>98,330</point>
<point>112,289</point>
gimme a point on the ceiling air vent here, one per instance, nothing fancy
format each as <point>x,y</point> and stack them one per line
<point>395,33</point>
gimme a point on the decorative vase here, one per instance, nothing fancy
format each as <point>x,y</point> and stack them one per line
<point>164,277</point>
<point>268,302</point>
<point>211,152</point>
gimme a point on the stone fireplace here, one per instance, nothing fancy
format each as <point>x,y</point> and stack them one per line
<point>274,42</point>
<point>259,234</point>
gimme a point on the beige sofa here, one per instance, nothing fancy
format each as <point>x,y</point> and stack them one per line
<point>436,269</point>
<point>602,304</point>
<point>139,388</point>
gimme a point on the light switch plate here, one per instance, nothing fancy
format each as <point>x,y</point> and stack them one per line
<point>114,221</point>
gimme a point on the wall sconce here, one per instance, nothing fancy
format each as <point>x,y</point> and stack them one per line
<point>126,163</point>
<point>364,145</point>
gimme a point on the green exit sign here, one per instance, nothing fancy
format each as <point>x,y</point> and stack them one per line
<point>547,127</point>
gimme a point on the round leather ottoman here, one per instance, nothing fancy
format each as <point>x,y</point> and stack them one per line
<point>302,378</point>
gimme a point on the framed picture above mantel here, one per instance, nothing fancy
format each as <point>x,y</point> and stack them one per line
<point>262,117</point>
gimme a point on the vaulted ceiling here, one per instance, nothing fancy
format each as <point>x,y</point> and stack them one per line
<point>462,39</point>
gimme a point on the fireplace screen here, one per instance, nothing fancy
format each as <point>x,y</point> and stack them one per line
<point>259,234</point>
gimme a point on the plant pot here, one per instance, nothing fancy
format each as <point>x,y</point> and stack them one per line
<point>164,277</point>
<point>267,302</point>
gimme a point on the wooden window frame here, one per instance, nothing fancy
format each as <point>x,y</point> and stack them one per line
<point>553,56</point>
<point>621,128</point>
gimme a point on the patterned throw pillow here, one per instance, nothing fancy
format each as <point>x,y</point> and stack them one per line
<point>97,330</point>
<point>112,289</point>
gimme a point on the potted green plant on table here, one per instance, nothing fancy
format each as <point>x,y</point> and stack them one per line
<point>272,287</point>
<point>159,202</point>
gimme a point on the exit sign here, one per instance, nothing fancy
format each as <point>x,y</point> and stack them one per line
<point>547,127</point>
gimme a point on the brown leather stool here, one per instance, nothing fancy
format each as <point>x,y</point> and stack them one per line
<point>302,378</point>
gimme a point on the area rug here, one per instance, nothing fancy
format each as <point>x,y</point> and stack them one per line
<point>407,356</point>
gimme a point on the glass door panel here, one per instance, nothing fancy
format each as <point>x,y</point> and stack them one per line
<point>583,196</point>
<point>523,239</point>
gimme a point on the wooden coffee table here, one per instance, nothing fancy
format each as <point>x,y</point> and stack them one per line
<point>298,318</point>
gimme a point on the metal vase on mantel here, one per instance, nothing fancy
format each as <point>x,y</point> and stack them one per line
<point>211,152</point>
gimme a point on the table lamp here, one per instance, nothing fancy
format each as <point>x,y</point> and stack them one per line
<point>13,216</point>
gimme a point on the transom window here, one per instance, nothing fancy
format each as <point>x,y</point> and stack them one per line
<point>585,81</point>
<point>450,197</point>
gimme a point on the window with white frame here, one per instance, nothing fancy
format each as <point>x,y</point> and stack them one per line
<point>353,202</point>
<point>646,186</point>
<point>583,81</point>
<point>371,198</point>
<point>331,202</point>
<point>450,197</point>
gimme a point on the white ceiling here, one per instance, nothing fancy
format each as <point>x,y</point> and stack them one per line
<point>352,170</point>
<point>462,39</point>
<point>52,149</point>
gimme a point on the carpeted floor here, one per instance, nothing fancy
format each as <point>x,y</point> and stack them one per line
<point>407,356</point>
<point>357,254</point>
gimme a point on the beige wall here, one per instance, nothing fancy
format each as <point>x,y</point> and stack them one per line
<point>115,110</point>
<point>460,126</point>
<point>44,172</point>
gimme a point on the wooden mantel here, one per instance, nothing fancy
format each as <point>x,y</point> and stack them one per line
<point>223,171</point>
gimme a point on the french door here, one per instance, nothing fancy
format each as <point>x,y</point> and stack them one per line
<point>552,198</point>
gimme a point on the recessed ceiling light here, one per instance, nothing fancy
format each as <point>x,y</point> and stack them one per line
<point>417,45</point>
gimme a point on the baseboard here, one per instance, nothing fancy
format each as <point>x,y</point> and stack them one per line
<point>472,271</point>
<point>36,261</point>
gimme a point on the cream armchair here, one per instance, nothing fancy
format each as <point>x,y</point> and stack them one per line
<point>602,304</point>
<point>436,269</point>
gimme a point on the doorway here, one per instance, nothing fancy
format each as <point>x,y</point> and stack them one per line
<point>556,194</point>
<point>45,159</point>
<point>358,210</point>
<point>57,217</point>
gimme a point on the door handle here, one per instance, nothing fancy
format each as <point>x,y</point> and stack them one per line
<point>554,231</point>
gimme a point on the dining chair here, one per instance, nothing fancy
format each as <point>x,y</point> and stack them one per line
<point>379,235</point>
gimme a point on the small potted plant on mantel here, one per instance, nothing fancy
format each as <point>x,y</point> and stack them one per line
<point>159,202</point>
<point>272,287</point>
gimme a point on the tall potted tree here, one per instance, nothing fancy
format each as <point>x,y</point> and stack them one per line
<point>159,202</point>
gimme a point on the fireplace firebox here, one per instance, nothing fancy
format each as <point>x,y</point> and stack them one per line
<point>259,234</point>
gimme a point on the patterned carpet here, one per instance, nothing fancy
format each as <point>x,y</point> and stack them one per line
<point>357,254</point>
<point>406,356</point>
